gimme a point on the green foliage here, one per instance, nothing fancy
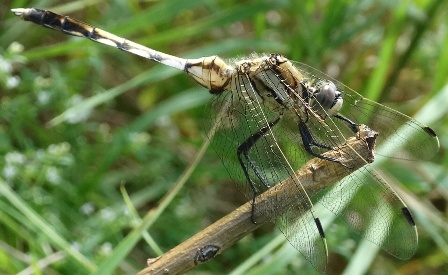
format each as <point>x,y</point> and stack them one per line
<point>83,126</point>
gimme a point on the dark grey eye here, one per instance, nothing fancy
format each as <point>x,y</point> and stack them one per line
<point>326,95</point>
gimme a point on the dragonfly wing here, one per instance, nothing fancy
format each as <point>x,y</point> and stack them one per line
<point>371,208</point>
<point>363,199</point>
<point>400,136</point>
<point>244,116</point>
<point>301,233</point>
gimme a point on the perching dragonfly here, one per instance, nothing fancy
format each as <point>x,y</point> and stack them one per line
<point>279,114</point>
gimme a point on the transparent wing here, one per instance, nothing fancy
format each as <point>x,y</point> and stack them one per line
<point>363,199</point>
<point>400,136</point>
<point>244,117</point>
<point>370,207</point>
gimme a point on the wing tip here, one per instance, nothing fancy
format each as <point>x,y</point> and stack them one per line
<point>433,134</point>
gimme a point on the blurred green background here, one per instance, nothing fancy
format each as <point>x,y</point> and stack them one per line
<point>92,138</point>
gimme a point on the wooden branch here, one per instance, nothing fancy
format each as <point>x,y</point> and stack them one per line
<point>315,175</point>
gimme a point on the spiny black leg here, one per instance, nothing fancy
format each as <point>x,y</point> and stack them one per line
<point>351,124</point>
<point>309,141</point>
<point>243,150</point>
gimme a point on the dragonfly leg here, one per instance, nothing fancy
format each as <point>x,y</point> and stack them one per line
<point>351,124</point>
<point>243,150</point>
<point>308,142</point>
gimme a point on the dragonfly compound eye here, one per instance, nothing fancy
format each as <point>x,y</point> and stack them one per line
<point>328,100</point>
<point>326,94</point>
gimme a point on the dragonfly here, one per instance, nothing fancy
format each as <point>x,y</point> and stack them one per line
<point>276,114</point>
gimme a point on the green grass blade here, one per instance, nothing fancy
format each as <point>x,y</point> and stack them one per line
<point>44,228</point>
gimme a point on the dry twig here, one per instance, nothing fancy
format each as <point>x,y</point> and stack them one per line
<point>315,175</point>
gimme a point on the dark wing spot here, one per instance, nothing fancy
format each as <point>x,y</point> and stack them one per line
<point>430,131</point>
<point>408,216</point>
<point>319,227</point>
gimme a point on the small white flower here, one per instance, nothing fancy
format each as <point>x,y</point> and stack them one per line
<point>43,97</point>
<point>15,158</point>
<point>16,47</point>
<point>59,149</point>
<point>5,66</point>
<point>108,214</point>
<point>53,176</point>
<point>106,248</point>
<point>12,82</point>
<point>9,172</point>
<point>87,208</point>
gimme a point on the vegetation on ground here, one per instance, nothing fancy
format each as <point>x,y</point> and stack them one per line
<point>93,140</point>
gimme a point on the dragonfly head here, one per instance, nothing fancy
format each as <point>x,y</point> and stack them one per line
<point>327,100</point>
